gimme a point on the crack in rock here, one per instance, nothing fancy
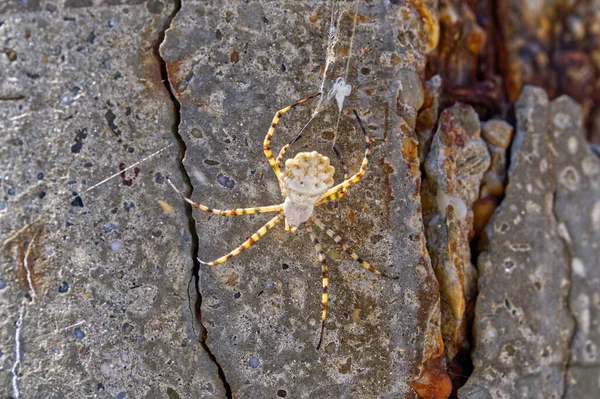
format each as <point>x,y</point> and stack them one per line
<point>202,335</point>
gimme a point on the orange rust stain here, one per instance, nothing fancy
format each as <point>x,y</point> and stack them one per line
<point>483,210</point>
<point>432,26</point>
<point>234,57</point>
<point>328,135</point>
<point>358,18</point>
<point>165,206</point>
<point>345,368</point>
<point>409,149</point>
<point>232,279</point>
<point>414,169</point>
<point>417,193</point>
<point>428,203</point>
<point>314,18</point>
<point>433,383</point>
<point>387,168</point>
<point>150,74</point>
<point>342,50</point>
<point>25,246</point>
<point>174,70</point>
<point>476,40</point>
<point>351,216</point>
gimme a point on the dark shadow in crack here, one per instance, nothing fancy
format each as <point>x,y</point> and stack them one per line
<point>196,307</point>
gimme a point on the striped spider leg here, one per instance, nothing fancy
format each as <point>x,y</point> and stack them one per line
<point>267,142</point>
<point>247,211</point>
<point>306,182</point>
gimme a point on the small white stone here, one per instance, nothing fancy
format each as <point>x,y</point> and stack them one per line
<point>572,144</point>
<point>578,267</point>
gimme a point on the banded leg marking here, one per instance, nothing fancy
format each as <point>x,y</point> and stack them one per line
<point>363,167</point>
<point>342,242</point>
<point>267,142</point>
<point>323,262</point>
<point>332,197</point>
<point>227,212</point>
<point>248,243</point>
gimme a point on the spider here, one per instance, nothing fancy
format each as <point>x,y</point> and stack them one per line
<point>306,182</point>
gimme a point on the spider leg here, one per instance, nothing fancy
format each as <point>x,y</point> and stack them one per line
<point>267,143</point>
<point>343,191</point>
<point>248,243</point>
<point>323,263</point>
<point>332,197</point>
<point>227,212</point>
<point>284,149</point>
<point>359,175</point>
<point>342,242</point>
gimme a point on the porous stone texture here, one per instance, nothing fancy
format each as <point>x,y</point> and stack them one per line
<point>577,209</point>
<point>454,168</point>
<point>94,298</point>
<point>101,294</point>
<point>538,275</point>
<point>232,65</point>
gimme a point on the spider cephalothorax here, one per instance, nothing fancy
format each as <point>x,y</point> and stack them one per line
<point>306,179</point>
<point>306,183</point>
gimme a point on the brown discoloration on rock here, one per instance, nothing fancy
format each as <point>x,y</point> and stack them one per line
<point>24,249</point>
<point>454,167</point>
<point>409,149</point>
<point>342,50</point>
<point>430,21</point>
<point>483,209</point>
<point>498,136</point>
<point>433,383</point>
<point>461,43</point>
<point>358,17</point>
<point>428,115</point>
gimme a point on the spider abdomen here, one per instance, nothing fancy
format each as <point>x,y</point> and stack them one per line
<point>307,178</point>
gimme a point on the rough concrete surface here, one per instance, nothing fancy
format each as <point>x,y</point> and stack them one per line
<point>536,316</point>
<point>577,209</point>
<point>93,284</point>
<point>101,294</point>
<point>232,66</point>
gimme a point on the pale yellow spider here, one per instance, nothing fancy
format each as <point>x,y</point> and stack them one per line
<point>306,182</point>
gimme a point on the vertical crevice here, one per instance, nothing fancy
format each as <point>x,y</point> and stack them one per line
<point>487,92</point>
<point>197,306</point>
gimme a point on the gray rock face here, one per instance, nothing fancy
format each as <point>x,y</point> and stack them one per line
<point>232,67</point>
<point>100,291</point>
<point>577,209</point>
<point>539,272</point>
<point>94,297</point>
